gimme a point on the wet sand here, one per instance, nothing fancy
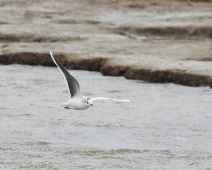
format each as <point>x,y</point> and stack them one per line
<point>162,42</point>
<point>165,126</point>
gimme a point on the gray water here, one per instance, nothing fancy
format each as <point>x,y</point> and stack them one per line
<point>165,126</point>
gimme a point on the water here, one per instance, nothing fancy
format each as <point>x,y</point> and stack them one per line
<point>165,126</point>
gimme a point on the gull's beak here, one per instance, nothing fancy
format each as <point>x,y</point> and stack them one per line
<point>91,104</point>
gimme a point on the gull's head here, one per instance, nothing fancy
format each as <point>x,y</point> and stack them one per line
<point>88,102</point>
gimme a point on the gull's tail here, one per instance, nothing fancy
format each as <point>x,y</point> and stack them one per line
<point>65,104</point>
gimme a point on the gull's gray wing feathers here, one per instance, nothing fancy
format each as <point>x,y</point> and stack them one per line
<point>73,84</point>
<point>105,98</point>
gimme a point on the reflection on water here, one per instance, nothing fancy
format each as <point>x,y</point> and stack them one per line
<point>165,126</point>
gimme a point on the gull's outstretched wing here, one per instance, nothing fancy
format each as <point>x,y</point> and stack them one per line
<point>73,84</point>
<point>105,98</point>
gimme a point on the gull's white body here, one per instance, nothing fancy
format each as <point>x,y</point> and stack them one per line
<point>77,101</point>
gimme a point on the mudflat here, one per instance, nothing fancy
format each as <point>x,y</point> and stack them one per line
<point>166,41</point>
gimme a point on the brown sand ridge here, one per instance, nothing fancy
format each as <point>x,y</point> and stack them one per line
<point>166,41</point>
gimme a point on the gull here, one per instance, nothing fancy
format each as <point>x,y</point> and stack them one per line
<point>77,101</point>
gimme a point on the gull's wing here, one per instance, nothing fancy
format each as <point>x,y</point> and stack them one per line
<point>105,98</point>
<point>73,84</point>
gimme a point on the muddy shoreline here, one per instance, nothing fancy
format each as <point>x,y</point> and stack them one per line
<point>160,42</point>
<point>106,67</point>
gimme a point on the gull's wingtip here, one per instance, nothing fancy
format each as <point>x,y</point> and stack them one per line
<point>123,100</point>
<point>52,56</point>
<point>126,100</point>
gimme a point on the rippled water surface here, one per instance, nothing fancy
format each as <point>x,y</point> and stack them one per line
<point>165,126</point>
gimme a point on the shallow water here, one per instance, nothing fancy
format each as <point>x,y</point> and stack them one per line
<point>165,126</point>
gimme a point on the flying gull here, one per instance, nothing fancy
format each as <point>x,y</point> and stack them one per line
<point>77,101</point>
